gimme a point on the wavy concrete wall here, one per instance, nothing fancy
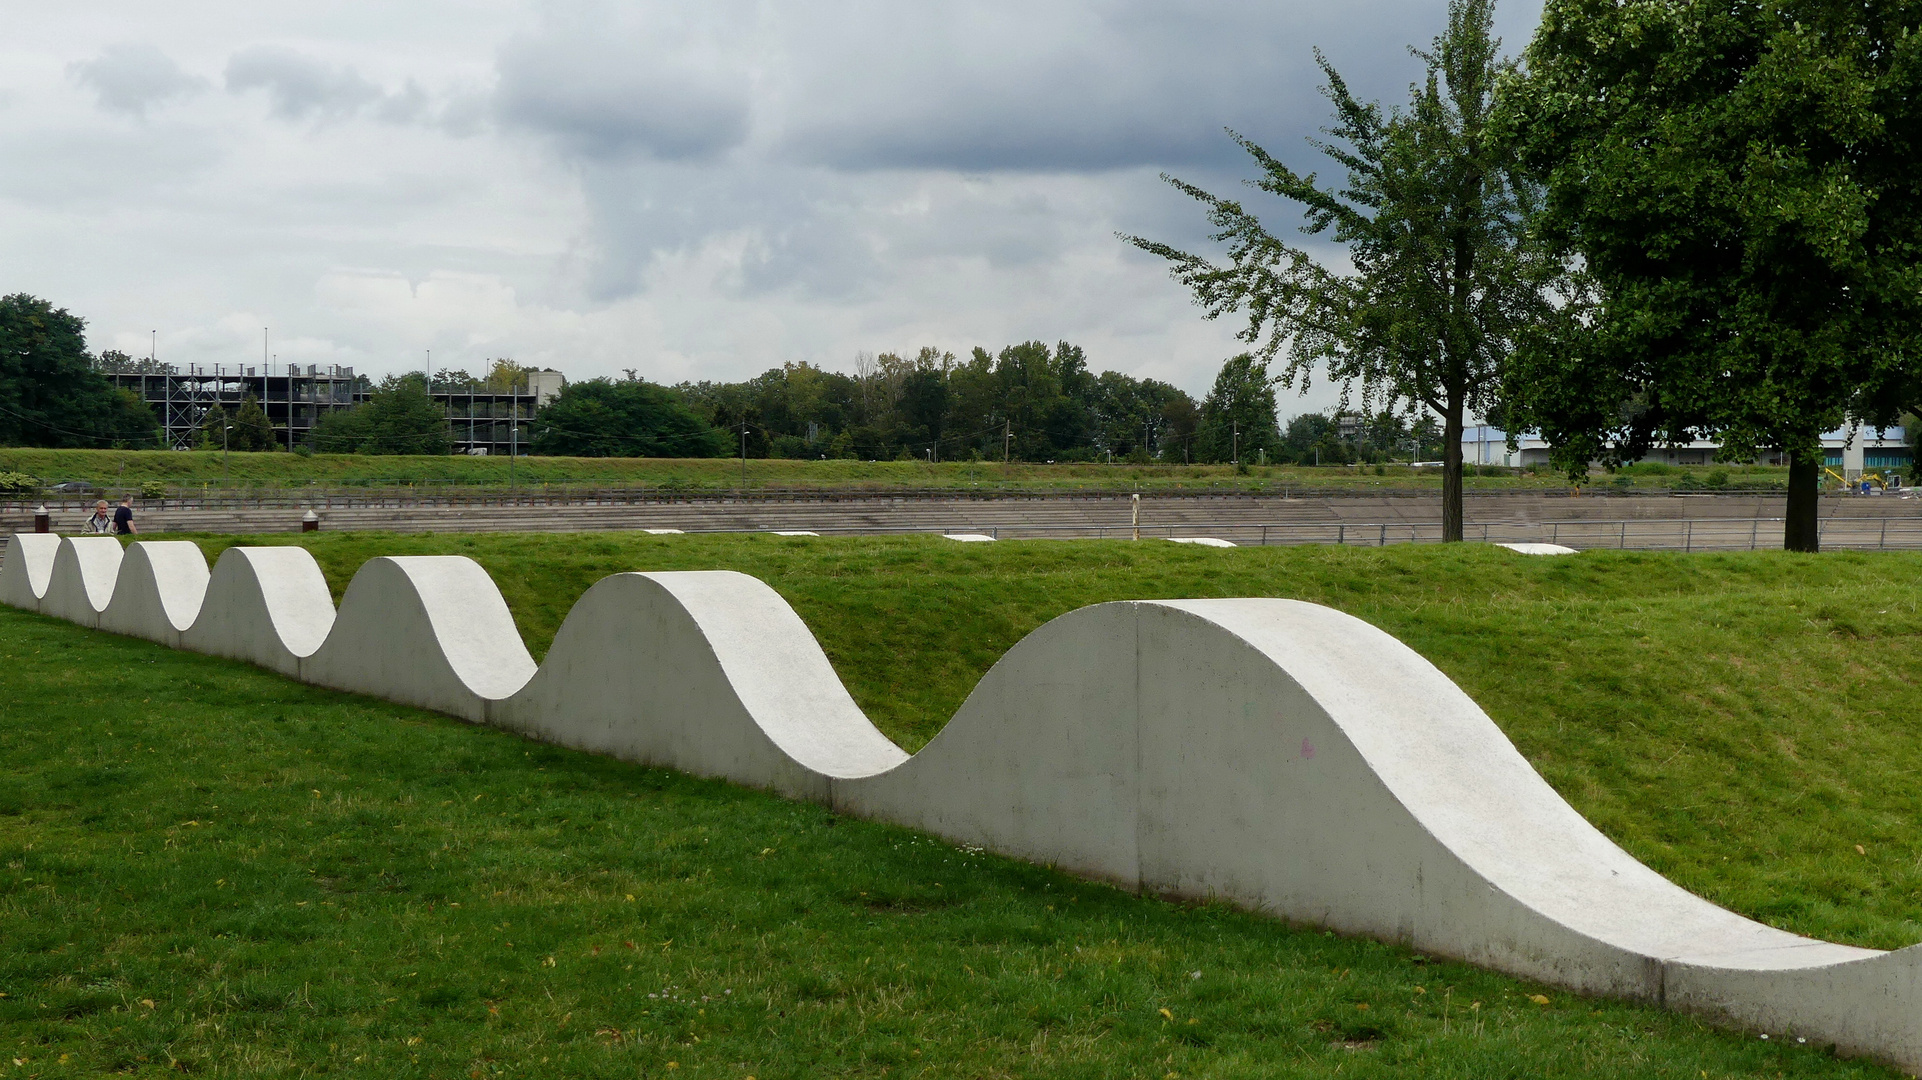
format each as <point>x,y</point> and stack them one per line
<point>1278,754</point>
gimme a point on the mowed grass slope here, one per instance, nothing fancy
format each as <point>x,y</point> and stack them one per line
<point>190,471</point>
<point>208,867</point>
<point>1741,722</point>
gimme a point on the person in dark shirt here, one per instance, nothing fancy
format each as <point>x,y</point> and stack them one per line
<point>123,517</point>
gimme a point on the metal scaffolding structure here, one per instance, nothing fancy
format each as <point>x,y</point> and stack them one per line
<point>295,397</point>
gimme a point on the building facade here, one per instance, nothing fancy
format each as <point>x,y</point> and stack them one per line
<point>294,397</point>
<point>1848,451</point>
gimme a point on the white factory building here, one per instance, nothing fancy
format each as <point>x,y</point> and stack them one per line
<point>1850,452</point>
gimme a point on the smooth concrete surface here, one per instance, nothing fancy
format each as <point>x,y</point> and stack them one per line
<point>426,630</point>
<point>159,591</point>
<point>1204,541</point>
<point>1276,754</point>
<point>28,569</point>
<point>969,538</point>
<point>85,569</point>
<point>710,672</point>
<point>267,605</point>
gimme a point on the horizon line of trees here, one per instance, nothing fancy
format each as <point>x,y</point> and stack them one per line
<point>1029,402</point>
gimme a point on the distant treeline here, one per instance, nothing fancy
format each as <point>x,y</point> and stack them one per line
<point>1029,402</point>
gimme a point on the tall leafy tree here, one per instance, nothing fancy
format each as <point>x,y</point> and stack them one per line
<point>399,418</point>
<point>1435,219</point>
<point>630,418</point>
<point>252,429</point>
<point>1739,177</point>
<point>50,393</point>
<point>1238,415</point>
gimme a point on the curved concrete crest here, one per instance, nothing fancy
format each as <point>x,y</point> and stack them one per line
<point>1278,754</point>
<point>708,671</point>
<point>158,592</point>
<point>85,569</point>
<point>266,605</point>
<point>426,630</point>
<point>28,569</point>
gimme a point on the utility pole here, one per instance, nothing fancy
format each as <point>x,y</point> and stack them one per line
<point>1236,425</point>
<point>743,455</point>
<point>1007,445</point>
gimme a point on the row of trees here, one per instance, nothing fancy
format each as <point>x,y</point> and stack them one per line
<point>1027,403</point>
<point>1674,221</point>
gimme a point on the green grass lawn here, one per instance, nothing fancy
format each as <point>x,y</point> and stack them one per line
<point>205,864</point>
<point>194,470</point>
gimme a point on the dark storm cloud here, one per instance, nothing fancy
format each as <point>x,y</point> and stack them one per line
<point>988,86</point>
<point>612,85</point>
<point>134,78</point>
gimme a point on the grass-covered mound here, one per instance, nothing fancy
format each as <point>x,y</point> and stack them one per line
<point>204,862</point>
<point>191,471</point>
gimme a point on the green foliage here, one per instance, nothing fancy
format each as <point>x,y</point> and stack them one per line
<point>1739,180</point>
<point>252,429</point>
<point>292,876</point>
<point>115,362</point>
<point>504,375</point>
<point>50,394</point>
<point>631,418</point>
<point>18,483</point>
<point>1026,403</point>
<point>1434,217</point>
<point>212,432</point>
<point>246,429</point>
<point>153,489</point>
<point>1238,415</point>
<point>400,418</point>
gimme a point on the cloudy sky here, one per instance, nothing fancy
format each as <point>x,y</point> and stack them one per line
<point>689,188</point>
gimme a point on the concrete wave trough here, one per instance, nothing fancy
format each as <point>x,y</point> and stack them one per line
<point>1277,754</point>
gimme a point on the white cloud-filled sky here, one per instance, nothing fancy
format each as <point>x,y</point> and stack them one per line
<point>689,188</point>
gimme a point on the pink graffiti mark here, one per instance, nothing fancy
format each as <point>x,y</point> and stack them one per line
<point>1307,749</point>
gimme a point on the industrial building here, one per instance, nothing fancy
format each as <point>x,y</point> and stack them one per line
<point>480,421</point>
<point>1848,451</point>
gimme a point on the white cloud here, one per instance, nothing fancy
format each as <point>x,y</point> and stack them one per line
<point>692,189</point>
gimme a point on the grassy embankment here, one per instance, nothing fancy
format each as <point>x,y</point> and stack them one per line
<point>202,862</point>
<point>191,471</point>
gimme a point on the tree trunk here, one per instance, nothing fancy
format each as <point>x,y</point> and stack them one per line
<point>1452,474</point>
<point>1799,529</point>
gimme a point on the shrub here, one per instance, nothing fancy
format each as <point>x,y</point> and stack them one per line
<point>153,489</point>
<point>1716,478</point>
<point>18,483</point>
